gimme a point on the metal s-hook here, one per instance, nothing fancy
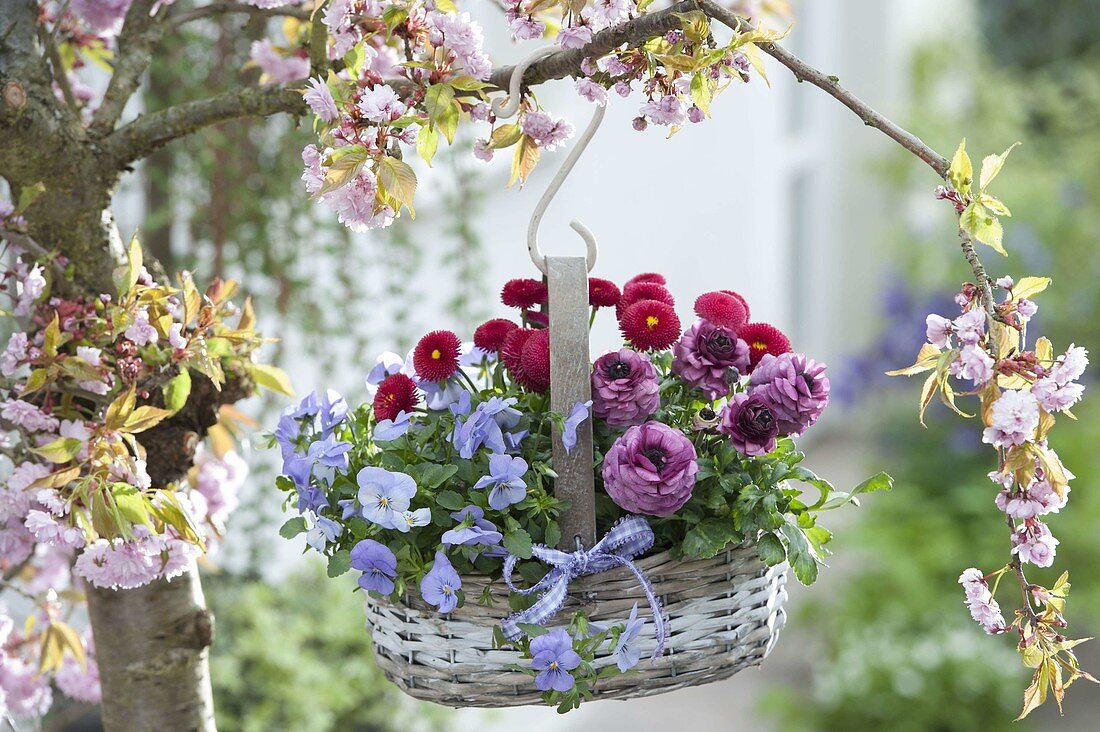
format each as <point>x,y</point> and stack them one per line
<point>507,107</point>
<point>551,190</point>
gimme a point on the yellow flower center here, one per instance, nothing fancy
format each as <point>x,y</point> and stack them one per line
<point>652,321</point>
<point>760,346</point>
<point>447,590</point>
<point>553,665</point>
<point>383,501</point>
<point>437,354</point>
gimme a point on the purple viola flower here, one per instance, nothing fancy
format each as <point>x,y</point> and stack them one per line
<point>390,429</point>
<point>387,364</point>
<point>333,410</point>
<point>708,357</point>
<point>311,498</point>
<point>441,584</point>
<point>485,426</point>
<point>287,434</point>
<point>650,469</point>
<point>552,655</point>
<point>627,653</point>
<point>439,395</point>
<point>572,422</point>
<point>377,563</point>
<point>412,519</point>
<point>385,496</point>
<point>513,441</point>
<point>349,507</point>
<point>478,531</point>
<point>506,478</point>
<point>323,532</point>
<point>794,386</point>
<point>625,391</point>
<point>323,458</point>
<point>750,424</point>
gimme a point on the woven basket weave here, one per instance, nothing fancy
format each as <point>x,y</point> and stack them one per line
<point>724,615</point>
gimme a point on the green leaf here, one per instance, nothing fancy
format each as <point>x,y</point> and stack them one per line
<point>800,554</point>
<point>28,196</point>
<point>450,500</point>
<point>126,276</point>
<point>552,535</point>
<point>131,504</point>
<point>701,92</point>
<point>991,165</point>
<point>339,563</point>
<point>177,390</point>
<point>437,99</point>
<point>448,121</point>
<point>518,542</point>
<point>709,537</point>
<point>505,136</point>
<point>770,549</point>
<point>427,142</point>
<point>271,377</point>
<point>525,159</point>
<point>961,171</point>
<point>980,223</point>
<point>879,482</point>
<point>344,164</point>
<point>437,475</point>
<point>399,180</point>
<point>293,527</point>
<point>61,450</point>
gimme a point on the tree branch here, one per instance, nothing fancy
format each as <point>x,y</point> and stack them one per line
<point>140,34</point>
<point>222,8</point>
<point>152,131</point>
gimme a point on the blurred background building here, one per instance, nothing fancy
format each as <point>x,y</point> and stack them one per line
<point>832,235</point>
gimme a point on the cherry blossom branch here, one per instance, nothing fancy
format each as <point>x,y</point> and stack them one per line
<point>224,8</point>
<point>140,34</point>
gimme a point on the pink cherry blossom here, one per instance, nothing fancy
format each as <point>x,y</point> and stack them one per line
<point>1014,417</point>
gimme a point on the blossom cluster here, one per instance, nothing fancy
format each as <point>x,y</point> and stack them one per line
<point>446,469</point>
<point>1022,384</point>
<point>81,379</point>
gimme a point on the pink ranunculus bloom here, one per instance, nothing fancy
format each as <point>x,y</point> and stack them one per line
<point>651,469</point>
<point>625,389</point>
<point>709,357</point>
<point>795,387</point>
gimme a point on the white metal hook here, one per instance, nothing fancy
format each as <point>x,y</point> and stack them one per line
<point>551,190</point>
<point>505,109</point>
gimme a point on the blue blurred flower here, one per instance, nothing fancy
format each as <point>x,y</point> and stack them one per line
<point>391,429</point>
<point>323,458</point>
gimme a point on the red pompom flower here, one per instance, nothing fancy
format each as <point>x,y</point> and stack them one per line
<point>523,293</point>
<point>603,293</point>
<point>763,338</point>
<point>489,336</point>
<point>721,309</point>
<point>511,352</point>
<point>653,277</point>
<point>650,325</point>
<point>436,355</point>
<point>396,394</point>
<point>535,361</point>
<point>744,303</point>
<point>638,291</point>
<point>537,318</point>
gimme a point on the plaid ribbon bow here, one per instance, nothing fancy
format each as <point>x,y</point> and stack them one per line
<point>629,537</point>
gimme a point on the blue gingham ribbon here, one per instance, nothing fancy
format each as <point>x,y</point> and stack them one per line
<point>629,537</point>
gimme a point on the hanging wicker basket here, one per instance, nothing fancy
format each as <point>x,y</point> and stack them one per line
<point>724,614</point>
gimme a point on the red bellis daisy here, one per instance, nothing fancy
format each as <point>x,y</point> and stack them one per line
<point>763,338</point>
<point>396,393</point>
<point>653,277</point>
<point>490,335</point>
<point>535,361</point>
<point>721,309</point>
<point>603,293</point>
<point>537,318</point>
<point>650,325</point>
<point>638,291</point>
<point>511,352</point>
<point>523,293</point>
<point>742,300</point>
<point>436,355</point>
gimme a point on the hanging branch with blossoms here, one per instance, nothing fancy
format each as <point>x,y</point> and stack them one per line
<point>1020,388</point>
<point>88,386</point>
